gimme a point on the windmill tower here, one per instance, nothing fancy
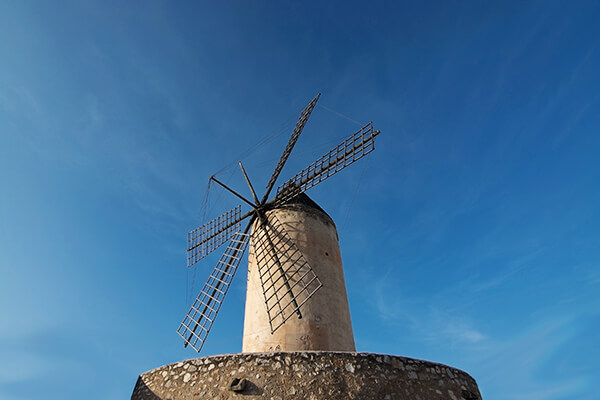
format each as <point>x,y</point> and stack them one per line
<point>298,340</point>
<point>306,241</point>
<point>296,296</point>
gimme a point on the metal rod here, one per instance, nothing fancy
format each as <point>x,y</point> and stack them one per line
<point>249,184</point>
<point>232,191</point>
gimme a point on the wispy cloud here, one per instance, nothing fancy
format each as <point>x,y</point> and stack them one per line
<point>425,320</point>
<point>20,366</point>
<point>460,331</point>
<point>524,359</point>
<point>593,277</point>
<point>20,100</point>
<point>522,354</point>
<point>512,268</point>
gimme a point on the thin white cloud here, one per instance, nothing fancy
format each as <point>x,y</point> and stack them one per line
<point>432,324</point>
<point>19,366</point>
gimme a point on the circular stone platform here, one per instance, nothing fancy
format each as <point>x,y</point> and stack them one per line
<point>305,375</point>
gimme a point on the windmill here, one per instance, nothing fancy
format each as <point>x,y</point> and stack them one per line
<point>279,266</point>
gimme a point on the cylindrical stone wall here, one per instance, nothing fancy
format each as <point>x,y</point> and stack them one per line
<point>306,375</point>
<point>325,324</point>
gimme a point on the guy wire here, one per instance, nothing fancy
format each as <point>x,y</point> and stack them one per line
<point>340,114</point>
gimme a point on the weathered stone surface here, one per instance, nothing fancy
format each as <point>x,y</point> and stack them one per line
<point>306,375</point>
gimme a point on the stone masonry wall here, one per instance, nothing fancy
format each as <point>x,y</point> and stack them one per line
<point>305,375</point>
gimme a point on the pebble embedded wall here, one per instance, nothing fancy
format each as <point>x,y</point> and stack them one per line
<point>306,375</point>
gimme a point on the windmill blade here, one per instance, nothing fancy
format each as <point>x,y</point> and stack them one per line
<point>287,278</point>
<point>350,150</point>
<point>197,323</point>
<point>204,240</point>
<point>293,139</point>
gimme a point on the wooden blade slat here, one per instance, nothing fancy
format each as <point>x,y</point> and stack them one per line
<point>204,240</point>
<point>197,323</point>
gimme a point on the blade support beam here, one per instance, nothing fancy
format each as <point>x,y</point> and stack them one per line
<point>257,203</point>
<point>232,191</point>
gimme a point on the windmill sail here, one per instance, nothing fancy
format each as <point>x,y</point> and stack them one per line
<point>197,323</point>
<point>350,150</point>
<point>293,139</point>
<point>204,240</point>
<point>287,278</point>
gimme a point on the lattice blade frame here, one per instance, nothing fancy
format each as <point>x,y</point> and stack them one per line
<point>304,115</point>
<point>204,240</point>
<point>349,151</point>
<point>197,323</point>
<point>287,278</point>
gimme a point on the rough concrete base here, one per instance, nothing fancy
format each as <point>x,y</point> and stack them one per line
<point>305,375</point>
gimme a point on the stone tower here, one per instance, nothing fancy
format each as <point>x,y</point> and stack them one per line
<point>325,324</point>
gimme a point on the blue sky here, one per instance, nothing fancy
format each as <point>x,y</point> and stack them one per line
<point>471,236</point>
